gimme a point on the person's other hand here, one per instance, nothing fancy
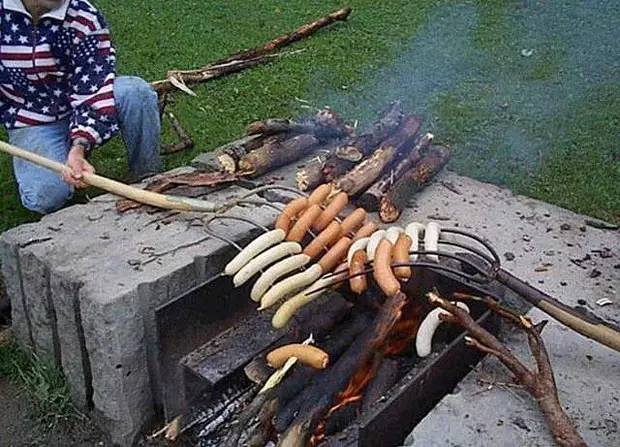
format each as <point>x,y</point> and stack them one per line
<point>78,166</point>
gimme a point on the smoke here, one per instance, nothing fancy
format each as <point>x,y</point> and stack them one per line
<point>498,86</point>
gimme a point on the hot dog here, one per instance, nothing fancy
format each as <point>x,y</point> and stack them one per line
<point>358,282</point>
<point>325,239</point>
<point>304,223</point>
<point>290,212</point>
<point>353,221</point>
<point>382,269</point>
<point>319,195</point>
<point>306,354</point>
<point>400,255</point>
<point>329,214</point>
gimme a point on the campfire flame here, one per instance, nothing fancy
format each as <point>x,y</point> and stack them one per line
<point>400,338</point>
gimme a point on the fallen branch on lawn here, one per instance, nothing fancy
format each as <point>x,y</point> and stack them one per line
<point>540,383</point>
<point>245,59</point>
<point>185,142</point>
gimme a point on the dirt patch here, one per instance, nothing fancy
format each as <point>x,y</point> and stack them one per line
<point>19,427</point>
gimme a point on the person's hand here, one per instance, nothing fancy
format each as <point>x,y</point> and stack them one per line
<point>78,166</point>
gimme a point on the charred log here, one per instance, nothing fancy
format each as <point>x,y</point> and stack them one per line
<point>399,194</point>
<point>324,125</point>
<point>226,158</point>
<point>368,171</point>
<point>318,397</point>
<point>272,155</point>
<point>365,143</point>
<point>334,345</point>
<point>371,198</point>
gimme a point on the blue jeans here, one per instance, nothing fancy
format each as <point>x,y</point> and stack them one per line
<point>44,191</point>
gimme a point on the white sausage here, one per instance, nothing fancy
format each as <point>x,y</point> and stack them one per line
<point>431,239</point>
<point>359,244</point>
<point>265,259</point>
<point>290,285</point>
<point>287,310</point>
<point>373,243</point>
<point>392,234</point>
<point>414,230</point>
<point>254,248</point>
<point>424,338</point>
<point>275,272</point>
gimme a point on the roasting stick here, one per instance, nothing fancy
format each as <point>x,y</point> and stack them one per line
<point>164,201</point>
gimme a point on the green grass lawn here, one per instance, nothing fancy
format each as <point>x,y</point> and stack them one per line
<point>546,124</point>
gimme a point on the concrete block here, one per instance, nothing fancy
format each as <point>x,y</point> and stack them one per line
<point>9,260</point>
<point>74,357</point>
<point>37,299</point>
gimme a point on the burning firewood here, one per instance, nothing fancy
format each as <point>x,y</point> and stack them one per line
<point>248,58</point>
<point>318,397</point>
<point>371,198</point>
<point>275,154</point>
<point>539,383</point>
<point>399,194</point>
<point>340,159</point>
<point>368,171</point>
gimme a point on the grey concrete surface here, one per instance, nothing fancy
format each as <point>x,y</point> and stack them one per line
<point>85,283</point>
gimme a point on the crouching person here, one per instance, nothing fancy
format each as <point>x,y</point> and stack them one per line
<point>60,98</point>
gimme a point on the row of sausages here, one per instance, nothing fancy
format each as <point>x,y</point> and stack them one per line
<point>280,253</point>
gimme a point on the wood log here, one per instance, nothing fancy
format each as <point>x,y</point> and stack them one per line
<point>248,58</point>
<point>338,342</point>
<point>275,154</point>
<point>368,171</point>
<point>371,198</point>
<point>319,396</point>
<point>401,192</point>
<point>386,378</point>
<point>226,158</point>
<point>365,143</point>
<point>325,125</point>
<point>310,176</point>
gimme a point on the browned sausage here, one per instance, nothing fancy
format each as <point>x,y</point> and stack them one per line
<point>304,223</point>
<point>329,214</point>
<point>358,284</point>
<point>319,195</point>
<point>368,229</point>
<point>353,221</point>
<point>335,254</point>
<point>290,212</point>
<point>306,354</point>
<point>325,239</point>
<point>400,255</point>
<point>383,270</point>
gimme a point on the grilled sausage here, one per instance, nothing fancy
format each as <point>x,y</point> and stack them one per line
<point>329,214</point>
<point>319,195</point>
<point>373,243</point>
<point>335,255</point>
<point>253,249</point>
<point>325,239</point>
<point>358,281</point>
<point>304,223</point>
<point>353,221</point>
<point>414,230</point>
<point>383,270</point>
<point>264,260</point>
<point>289,285</point>
<point>275,272</point>
<point>400,255</point>
<point>367,229</point>
<point>355,246</point>
<point>290,213</point>
<point>305,354</point>
<point>424,338</point>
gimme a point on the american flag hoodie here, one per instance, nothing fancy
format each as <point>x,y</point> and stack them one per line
<point>62,67</point>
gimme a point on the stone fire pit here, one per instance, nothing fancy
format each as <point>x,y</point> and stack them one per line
<point>87,283</point>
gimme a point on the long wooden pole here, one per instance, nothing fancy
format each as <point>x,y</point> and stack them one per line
<point>164,201</point>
